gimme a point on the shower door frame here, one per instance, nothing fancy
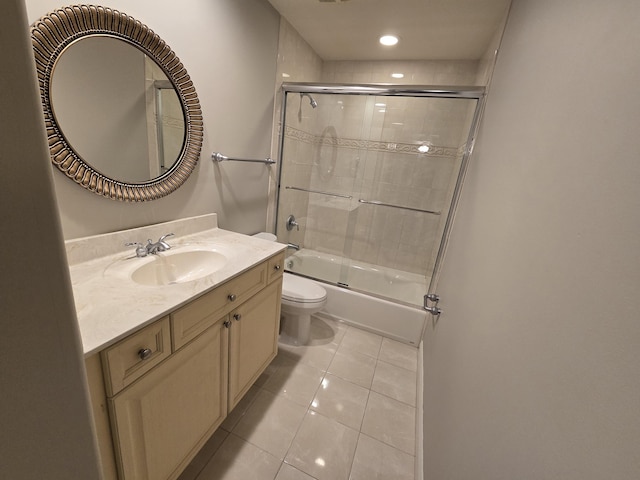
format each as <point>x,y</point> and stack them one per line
<point>477,93</point>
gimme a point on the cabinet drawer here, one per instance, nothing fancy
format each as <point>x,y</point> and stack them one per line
<point>189,321</point>
<point>130,358</point>
<point>275,267</point>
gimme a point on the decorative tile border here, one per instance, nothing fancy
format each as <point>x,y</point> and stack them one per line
<point>301,135</point>
<point>380,146</point>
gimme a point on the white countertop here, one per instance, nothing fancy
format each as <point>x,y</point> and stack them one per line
<point>111,306</point>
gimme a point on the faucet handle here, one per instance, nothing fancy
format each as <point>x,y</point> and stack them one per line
<point>141,250</point>
<point>291,222</point>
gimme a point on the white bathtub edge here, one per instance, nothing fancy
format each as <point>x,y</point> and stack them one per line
<point>391,320</point>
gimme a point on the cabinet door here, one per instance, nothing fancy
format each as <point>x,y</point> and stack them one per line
<point>162,420</point>
<point>253,339</point>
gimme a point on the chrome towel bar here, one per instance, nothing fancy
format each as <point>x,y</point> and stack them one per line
<point>218,157</point>
<point>376,202</point>
<point>317,191</point>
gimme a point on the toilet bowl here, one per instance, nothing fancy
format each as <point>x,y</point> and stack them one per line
<point>301,298</point>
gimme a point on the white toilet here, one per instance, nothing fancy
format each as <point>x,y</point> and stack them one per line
<point>301,298</point>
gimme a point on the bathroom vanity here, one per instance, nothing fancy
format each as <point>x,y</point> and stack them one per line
<point>161,384</point>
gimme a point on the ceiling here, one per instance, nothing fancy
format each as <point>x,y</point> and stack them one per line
<point>428,29</point>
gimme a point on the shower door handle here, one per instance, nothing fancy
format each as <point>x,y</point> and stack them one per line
<point>431,297</point>
<point>432,309</point>
<point>435,311</point>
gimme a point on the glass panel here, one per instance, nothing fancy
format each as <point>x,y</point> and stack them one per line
<point>314,187</point>
<point>414,151</point>
<point>370,180</point>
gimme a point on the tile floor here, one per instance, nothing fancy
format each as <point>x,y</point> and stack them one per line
<point>342,407</point>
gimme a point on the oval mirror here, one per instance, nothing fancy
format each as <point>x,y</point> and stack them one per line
<point>122,116</point>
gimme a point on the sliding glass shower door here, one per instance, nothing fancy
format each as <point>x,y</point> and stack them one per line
<point>369,177</point>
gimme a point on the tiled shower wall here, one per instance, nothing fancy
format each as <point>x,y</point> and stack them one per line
<point>297,62</point>
<point>349,147</point>
<point>355,148</point>
<point>424,72</point>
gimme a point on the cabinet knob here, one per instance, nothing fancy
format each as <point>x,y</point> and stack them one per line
<point>227,323</point>
<point>232,297</point>
<point>237,317</point>
<point>276,268</point>
<point>144,353</point>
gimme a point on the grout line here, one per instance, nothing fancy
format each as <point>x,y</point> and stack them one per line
<point>392,398</point>
<point>397,366</point>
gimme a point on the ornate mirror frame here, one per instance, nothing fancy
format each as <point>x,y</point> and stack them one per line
<point>51,35</point>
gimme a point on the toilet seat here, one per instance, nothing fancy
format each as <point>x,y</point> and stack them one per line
<point>301,290</point>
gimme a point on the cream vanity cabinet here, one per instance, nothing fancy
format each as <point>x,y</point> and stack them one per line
<point>159,394</point>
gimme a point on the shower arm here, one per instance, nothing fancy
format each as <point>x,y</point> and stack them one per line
<point>312,101</point>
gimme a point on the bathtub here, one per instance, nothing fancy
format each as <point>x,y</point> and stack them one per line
<point>346,282</point>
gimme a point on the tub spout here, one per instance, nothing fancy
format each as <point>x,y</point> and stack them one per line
<point>293,245</point>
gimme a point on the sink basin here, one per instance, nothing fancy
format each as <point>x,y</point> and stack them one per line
<point>178,267</point>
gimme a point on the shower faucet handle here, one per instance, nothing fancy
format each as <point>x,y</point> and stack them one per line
<point>291,222</point>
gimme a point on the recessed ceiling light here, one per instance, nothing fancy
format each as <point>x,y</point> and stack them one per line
<point>388,40</point>
<point>397,75</point>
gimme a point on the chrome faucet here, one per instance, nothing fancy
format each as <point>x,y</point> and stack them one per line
<point>293,245</point>
<point>151,248</point>
<point>159,246</point>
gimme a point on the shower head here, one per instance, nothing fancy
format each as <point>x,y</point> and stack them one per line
<point>312,101</point>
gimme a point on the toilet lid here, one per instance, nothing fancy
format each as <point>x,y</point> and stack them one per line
<point>301,290</point>
<point>266,236</point>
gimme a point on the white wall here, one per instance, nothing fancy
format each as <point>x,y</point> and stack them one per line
<point>532,370</point>
<point>44,414</point>
<point>229,49</point>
